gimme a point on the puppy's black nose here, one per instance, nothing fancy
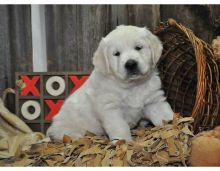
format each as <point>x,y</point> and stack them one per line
<point>131,65</point>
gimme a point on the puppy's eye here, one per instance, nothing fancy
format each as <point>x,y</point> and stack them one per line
<point>116,53</point>
<point>138,48</point>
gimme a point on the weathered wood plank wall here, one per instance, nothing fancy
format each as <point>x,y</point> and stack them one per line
<point>74,31</point>
<point>202,19</point>
<point>15,44</point>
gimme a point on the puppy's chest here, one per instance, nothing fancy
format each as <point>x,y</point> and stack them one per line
<point>132,107</point>
<point>134,99</point>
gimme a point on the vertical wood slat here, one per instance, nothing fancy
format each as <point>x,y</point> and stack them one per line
<point>20,38</point>
<point>214,15</point>
<point>4,47</point>
<point>93,23</point>
<point>74,31</point>
<point>195,17</point>
<point>15,45</point>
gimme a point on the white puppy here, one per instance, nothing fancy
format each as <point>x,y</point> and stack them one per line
<point>123,88</point>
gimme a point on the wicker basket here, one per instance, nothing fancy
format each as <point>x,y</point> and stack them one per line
<point>189,74</point>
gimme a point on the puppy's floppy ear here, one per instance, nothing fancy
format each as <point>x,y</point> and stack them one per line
<point>100,59</point>
<point>155,46</point>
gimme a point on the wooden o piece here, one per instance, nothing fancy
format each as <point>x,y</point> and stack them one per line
<point>26,114</point>
<point>49,85</point>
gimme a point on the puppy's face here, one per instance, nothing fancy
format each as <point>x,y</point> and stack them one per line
<point>128,53</point>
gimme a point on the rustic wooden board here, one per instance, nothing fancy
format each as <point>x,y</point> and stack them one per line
<point>74,31</point>
<point>199,18</point>
<point>73,34</point>
<point>4,47</point>
<point>214,15</point>
<point>15,44</point>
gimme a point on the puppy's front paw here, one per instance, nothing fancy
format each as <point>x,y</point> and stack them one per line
<point>120,141</point>
<point>143,123</point>
<point>159,112</point>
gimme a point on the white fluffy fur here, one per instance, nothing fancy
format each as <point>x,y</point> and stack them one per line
<point>111,102</point>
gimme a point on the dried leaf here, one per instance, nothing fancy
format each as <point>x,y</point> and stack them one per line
<point>78,162</point>
<point>3,144</point>
<point>90,134</point>
<point>87,158</point>
<point>174,159</point>
<point>55,145</point>
<point>124,147</point>
<point>156,129</point>
<point>162,157</point>
<point>69,163</point>
<point>186,130</point>
<point>117,161</point>
<point>51,162</point>
<point>129,155</point>
<point>154,158</point>
<point>186,119</point>
<point>98,159</point>
<point>110,146</point>
<point>69,151</point>
<point>92,150</point>
<point>50,151</point>
<point>140,132</point>
<point>122,155</point>
<point>66,160</point>
<point>167,134</point>
<point>147,156</point>
<point>176,117</point>
<point>90,162</point>
<point>82,141</point>
<point>155,146</point>
<point>180,148</point>
<point>100,141</point>
<point>172,149</point>
<point>106,161</point>
<point>58,158</point>
<point>23,162</point>
<point>156,134</point>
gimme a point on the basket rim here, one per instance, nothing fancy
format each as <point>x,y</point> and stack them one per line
<point>203,62</point>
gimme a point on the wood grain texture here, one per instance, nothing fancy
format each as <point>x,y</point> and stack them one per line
<point>195,17</point>
<point>15,44</point>
<point>214,16</point>
<point>74,31</point>
<point>4,47</point>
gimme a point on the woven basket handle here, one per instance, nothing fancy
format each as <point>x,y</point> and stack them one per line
<point>198,46</point>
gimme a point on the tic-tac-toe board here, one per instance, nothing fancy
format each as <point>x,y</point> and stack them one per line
<point>43,95</point>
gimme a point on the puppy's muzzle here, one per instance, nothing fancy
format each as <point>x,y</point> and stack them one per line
<point>132,67</point>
